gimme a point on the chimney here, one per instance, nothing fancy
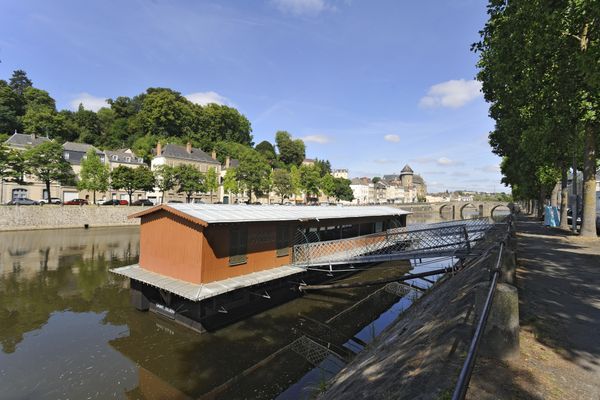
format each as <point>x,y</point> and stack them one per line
<point>158,149</point>
<point>188,147</point>
<point>214,154</point>
<point>227,162</point>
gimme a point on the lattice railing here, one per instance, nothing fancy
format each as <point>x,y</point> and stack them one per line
<point>445,237</point>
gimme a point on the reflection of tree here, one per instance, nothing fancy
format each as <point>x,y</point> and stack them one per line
<point>78,284</point>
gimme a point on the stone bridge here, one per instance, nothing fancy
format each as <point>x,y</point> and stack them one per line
<point>455,209</point>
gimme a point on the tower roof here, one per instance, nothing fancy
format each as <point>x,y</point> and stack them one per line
<point>407,169</point>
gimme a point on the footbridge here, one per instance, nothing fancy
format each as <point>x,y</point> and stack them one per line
<point>456,209</point>
<point>445,239</point>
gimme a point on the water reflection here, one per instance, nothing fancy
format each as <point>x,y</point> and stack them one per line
<point>67,329</point>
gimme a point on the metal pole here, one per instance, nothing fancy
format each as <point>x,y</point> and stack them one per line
<point>465,374</point>
<point>575,206</point>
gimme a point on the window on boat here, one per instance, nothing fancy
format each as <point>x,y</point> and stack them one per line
<point>283,240</point>
<point>238,245</point>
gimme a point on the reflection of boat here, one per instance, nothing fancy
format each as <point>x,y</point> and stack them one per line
<point>258,357</point>
<point>206,265</point>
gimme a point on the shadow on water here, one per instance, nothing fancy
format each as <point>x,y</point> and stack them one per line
<point>67,329</point>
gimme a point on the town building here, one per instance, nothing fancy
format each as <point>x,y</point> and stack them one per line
<point>203,264</point>
<point>74,153</point>
<point>340,173</point>
<point>174,155</point>
<point>406,187</point>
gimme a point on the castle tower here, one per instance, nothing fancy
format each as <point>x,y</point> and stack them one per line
<point>406,177</point>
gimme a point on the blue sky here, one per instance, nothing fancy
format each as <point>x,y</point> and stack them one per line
<point>369,85</point>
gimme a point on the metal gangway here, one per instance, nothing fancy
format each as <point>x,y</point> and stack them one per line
<point>444,239</point>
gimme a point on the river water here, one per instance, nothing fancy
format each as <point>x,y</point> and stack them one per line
<point>67,329</point>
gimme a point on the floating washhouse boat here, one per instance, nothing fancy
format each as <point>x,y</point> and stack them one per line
<point>206,265</point>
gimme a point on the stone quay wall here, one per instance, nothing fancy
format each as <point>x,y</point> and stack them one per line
<point>16,218</point>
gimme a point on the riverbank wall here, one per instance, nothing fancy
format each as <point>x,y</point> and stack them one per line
<point>420,355</point>
<point>17,218</point>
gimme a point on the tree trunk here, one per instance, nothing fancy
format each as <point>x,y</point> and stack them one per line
<point>554,195</point>
<point>588,221</point>
<point>162,199</point>
<point>129,193</point>
<point>564,197</point>
<point>94,196</point>
<point>541,203</point>
<point>48,190</point>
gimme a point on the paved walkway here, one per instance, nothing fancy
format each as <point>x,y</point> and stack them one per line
<point>559,288</point>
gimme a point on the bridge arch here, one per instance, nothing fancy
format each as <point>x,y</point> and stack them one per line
<point>497,206</point>
<point>446,206</point>
<point>462,208</point>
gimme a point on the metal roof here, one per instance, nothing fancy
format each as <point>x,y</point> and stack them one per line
<point>80,147</point>
<point>25,140</point>
<point>222,213</point>
<point>180,152</point>
<point>197,292</point>
<point>226,213</point>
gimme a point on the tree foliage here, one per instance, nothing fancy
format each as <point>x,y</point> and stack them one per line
<point>166,179</point>
<point>291,152</point>
<point>539,71</point>
<point>46,162</point>
<point>94,174</point>
<point>132,179</point>
<point>253,173</point>
<point>189,180</point>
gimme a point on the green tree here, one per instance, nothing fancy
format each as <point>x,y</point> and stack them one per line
<point>310,179</point>
<point>266,149</point>
<point>230,182</point>
<point>342,190</point>
<point>4,167</point>
<point>253,173</point>
<point>538,67</point>
<point>19,81</point>
<point>165,113</point>
<point>291,152</point>
<point>90,129</point>
<point>18,166</point>
<point>282,183</point>
<point>94,174</point>
<point>295,180</point>
<point>211,182</point>
<point>132,179</point>
<point>10,107</point>
<point>324,167</point>
<point>327,185</point>
<point>46,162</point>
<point>221,123</point>
<point>35,98</point>
<point>166,179</point>
<point>189,180</point>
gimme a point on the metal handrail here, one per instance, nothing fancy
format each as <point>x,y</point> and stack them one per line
<point>464,378</point>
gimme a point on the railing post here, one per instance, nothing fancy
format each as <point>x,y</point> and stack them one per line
<point>466,233</point>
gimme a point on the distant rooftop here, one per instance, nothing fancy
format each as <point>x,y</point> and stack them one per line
<point>407,169</point>
<point>25,140</point>
<point>79,147</point>
<point>123,157</point>
<point>180,152</point>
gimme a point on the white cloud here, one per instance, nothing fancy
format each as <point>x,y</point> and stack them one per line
<point>392,138</point>
<point>89,102</point>
<point>321,139</point>
<point>302,7</point>
<point>204,98</point>
<point>452,94</point>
